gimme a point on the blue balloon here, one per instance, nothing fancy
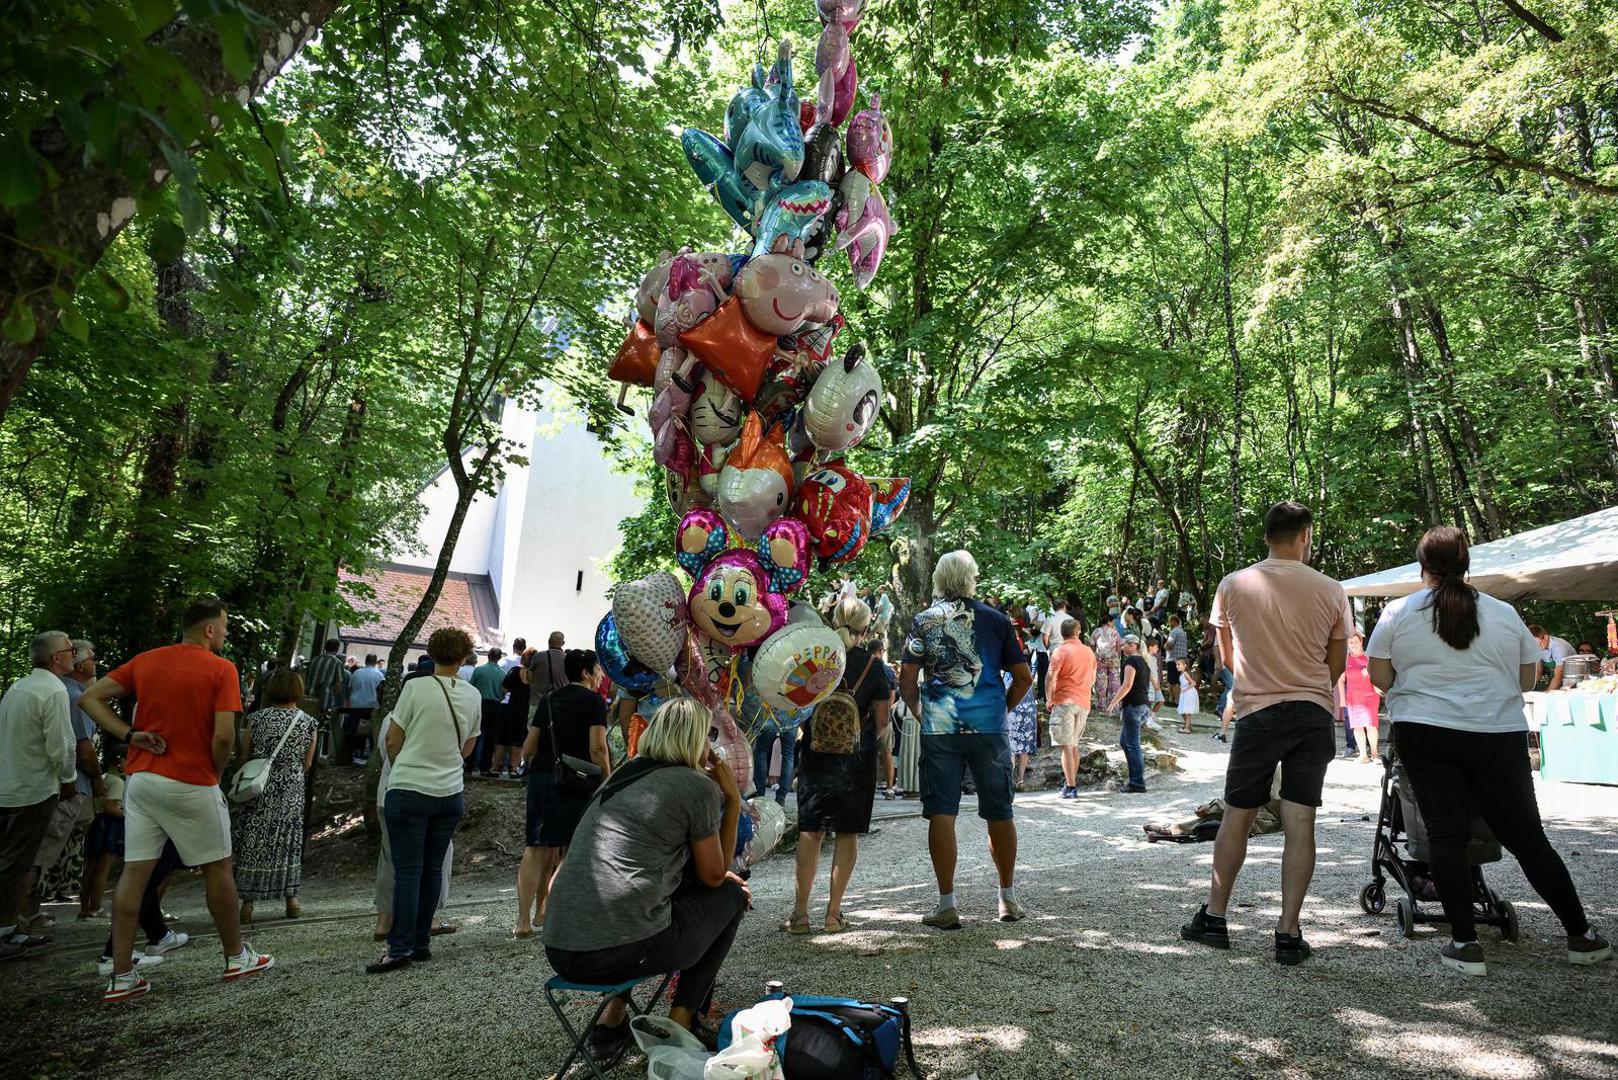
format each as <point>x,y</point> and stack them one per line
<point>628,673</point>
<point>793,212</point>
<point>711,160</point>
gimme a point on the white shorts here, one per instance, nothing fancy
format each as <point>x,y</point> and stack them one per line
<point>1067,724</point>
<point>158,808</point>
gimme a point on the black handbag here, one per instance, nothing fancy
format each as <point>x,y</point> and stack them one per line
<point>575,776</point>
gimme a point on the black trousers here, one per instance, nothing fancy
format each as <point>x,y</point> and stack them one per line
<point>1042,668</point>
<point>1454,772</point>
<point>696,942</point>
<point>152,923</point>
<point>488,734</point>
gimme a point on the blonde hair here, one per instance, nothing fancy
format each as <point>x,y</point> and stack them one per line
<point>956,576</point>
<point>851,618</point>
<point>678,733</point>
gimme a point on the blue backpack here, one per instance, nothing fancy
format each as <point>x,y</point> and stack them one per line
<point>838,1038</point>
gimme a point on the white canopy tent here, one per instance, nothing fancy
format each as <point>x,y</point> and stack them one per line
<point>1571,560</point>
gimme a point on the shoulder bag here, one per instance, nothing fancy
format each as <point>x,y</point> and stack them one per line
<point>575,776</point>
<point>250,780</point>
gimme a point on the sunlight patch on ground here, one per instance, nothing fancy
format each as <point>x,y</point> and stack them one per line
<point>1005,1037</point>
<point>1572,1044</point>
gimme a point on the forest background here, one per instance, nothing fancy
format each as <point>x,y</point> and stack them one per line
<point>266,268</point>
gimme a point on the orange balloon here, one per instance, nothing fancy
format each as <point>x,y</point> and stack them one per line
<point>637,357</point>
<point>732,349</point>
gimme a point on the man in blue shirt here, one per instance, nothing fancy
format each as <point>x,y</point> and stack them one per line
<point>961,646</point>
<point>362,701</point>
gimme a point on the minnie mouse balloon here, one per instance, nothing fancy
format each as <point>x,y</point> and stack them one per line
<point>651,619</point>
<point>843,403</point>
<point>739,597</point>
<point>798,666</point>
<point>835,504</point>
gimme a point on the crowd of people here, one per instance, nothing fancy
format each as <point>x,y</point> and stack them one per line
<point>630,866</point>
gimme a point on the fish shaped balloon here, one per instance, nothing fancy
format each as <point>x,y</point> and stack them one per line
<point>755,484</point>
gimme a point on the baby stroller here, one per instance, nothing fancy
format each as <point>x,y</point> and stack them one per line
<point>1399,822</point>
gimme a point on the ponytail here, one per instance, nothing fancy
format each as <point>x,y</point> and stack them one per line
<point>851,618</point>
<point>1445,558</point>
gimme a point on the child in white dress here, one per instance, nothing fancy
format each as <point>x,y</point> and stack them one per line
<point>1188,704</point>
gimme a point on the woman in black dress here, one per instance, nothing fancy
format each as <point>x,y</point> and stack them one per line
<point>578,717</point>
<point>836,791</point>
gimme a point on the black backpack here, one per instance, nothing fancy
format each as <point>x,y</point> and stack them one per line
<point>838,1038</point>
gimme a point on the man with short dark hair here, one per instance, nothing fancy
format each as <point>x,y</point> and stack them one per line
<point>188,697</point>
<point>1072,687</point>
<point>1177,648</point>
<point>489,681</point>
<point>36,771</point>
<point>326,682</point>
<point>1283,629</point>
<point>518,647</point>
<point>362,702</point>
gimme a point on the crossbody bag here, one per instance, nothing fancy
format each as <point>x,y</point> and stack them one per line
<point>253,777</point>
<point>573,775</point>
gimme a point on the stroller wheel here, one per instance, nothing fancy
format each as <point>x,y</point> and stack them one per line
<point>1407,917</point>
<point>1372,898</point>
<point>1511,930</point>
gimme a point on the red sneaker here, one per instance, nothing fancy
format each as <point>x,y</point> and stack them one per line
<point>125,988</point>
<point>248,963</point>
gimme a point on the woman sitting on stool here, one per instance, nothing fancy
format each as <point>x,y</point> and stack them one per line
<point>620,906</point>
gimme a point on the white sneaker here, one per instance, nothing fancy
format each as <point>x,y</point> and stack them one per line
<point>248,963</point>
<point>125,987</point>
<point>172,940</point>
<point>142,960</point>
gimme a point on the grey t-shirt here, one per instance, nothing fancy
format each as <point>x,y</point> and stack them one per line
<point>627,858</point>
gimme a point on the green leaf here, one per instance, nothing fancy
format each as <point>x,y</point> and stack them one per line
<point>19,322</point>
<point>193,210</point>
<point>74,323</point>
<point>167,241</point>
<point>19,180</point>
<point>235,46</point>
<point>120,295</point>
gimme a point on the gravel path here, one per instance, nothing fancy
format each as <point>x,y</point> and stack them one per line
<point>1095,983</point>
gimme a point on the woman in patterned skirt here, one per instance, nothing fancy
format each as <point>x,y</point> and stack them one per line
<point>268,838</point>
<point>1022,727</point>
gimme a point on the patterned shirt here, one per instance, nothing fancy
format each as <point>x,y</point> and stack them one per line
<point>962,647</point>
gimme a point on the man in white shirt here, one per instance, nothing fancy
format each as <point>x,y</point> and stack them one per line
<point>1046,642</point>
<point>1552,651</point>
<point>37,768</point>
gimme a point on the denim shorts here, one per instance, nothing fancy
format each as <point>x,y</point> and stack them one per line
<point>944,762</point>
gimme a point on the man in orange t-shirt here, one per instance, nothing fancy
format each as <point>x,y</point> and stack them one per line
<point>187,698</point>
<point>1068,688</point>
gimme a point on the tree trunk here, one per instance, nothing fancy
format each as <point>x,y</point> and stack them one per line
<point>88,204</point>
<point>1238,385</point>
<point>913,558</point>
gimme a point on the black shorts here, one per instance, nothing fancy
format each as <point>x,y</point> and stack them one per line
<point>553,815</point>
<point>1299,736</point>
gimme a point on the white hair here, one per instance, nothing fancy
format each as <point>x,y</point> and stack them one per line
<point>956,576</point>
<point>82,650</point>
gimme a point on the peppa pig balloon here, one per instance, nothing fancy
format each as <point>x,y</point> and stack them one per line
<point>835,504</point>
<point>755,484</point>
<point>798,665</point>
<point>843,403</point>
<point>781,294</point>
<point>870,142</point>
<point>865,236</point>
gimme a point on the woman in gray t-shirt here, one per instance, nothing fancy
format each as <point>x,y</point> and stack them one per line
<point>645,889</point>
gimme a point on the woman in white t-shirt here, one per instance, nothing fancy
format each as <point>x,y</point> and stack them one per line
<point>434,727</point>
<point>1454,665</point>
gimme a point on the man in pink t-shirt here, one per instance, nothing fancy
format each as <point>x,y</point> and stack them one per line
<point>1284,628</point>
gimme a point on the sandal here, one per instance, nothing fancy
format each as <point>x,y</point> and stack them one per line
<point>798,926</point>
<point>444,928</point>
<point>528,933</point>
<point>835,924</point>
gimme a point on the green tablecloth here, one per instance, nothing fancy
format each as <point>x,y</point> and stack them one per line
<point>1578,737</point>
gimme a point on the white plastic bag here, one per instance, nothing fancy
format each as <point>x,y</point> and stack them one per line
<point>672,1052</point>
<point>751,1054</point>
